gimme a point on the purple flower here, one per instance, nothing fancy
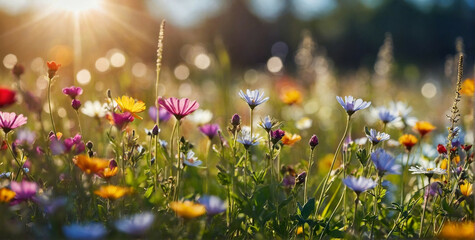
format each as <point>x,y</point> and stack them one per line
<point>235,120</point>
<point>434,189</point>
<point>384,162</point>
<point>301,177</point>
<point>246,139</point>
<point>122,119</point>
<point>210,130</point>
<point>386,116</point>
<point>180,108</point>
<point>75,144</point>
<point>360,184</point>
<point>313,141</point>
<point>10,121</point>
<point>253,98</point>
<point>24,191</point>
<point>76,104</point>
<point>276,135</point>
<point>72,91</point>
<point>376,137</point>
<point>288,181</point>
<point>214,205</point>
<point>85,231</point>
<point>51,205</point>
<point>163,114</point>
<point>136,225</point>
<point>351,105</point>
<point>25,136</point>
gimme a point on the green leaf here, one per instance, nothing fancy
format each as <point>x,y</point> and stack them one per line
<point>129,176</point>
<point>308,208</point>
<point>224,179</point>
<point>148,192</point>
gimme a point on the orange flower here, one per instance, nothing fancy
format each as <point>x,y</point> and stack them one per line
<point>468,87</point>
<point>112,192</point>
<point>458,230</point>
<point>188,209</point>
<point>90,165</point>
<point>290,139</point>
<point>52,68</point>
<point>423,127</point>
<point>408,140</point>
<point>109,171</point>
<point>299,230</point>
<point>291,96</point>
<point>466,188</point>
<point>6,195</point>
<point>443,164</point>
<point>456,159</point>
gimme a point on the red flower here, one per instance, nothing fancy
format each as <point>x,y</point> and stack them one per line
<point>52,68</point>
<point>441,149</point>
<point>466,147</point>
<point>7,97</point>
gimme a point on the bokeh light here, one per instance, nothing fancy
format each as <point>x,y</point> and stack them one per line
<point>274,64</point>
<point>83,77</point>
<point>429,90</point>
<point>181,72</point>
<point>10,60</point>
<point>102,64</point>
<point>139,69</point>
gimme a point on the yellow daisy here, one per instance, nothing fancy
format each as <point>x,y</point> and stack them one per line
<point>128,104</point>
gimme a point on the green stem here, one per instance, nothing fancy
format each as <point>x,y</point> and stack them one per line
<point>310,164</point>
<point>424,212</point>
<point>79,122</point>
<point>208,146</point>
<point>49,105</point>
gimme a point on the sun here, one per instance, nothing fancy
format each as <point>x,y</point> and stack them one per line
<point>77,6</point>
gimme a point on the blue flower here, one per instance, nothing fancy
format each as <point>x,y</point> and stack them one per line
<point>377,137</point>
<point>351,105</point>
<point>253,98</point>
<point>5,175</point>
<point>266,123</point>
<point>360,184</point>
<point>384,162</point>
<point>214,205</point>
<point>190,159</point>
<point>136,224</point>
<point>85,231</point>
<point>245,138</point>
<point>386,116</point>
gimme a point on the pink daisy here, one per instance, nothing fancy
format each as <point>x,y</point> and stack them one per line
<point>10,121</point>
<point>180,108</point>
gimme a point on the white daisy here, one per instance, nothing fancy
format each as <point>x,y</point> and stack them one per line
<point>200,116</point>
<point>94,109</point>
<point>429,172</point>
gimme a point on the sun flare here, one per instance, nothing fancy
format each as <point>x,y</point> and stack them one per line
<point>77,6</point>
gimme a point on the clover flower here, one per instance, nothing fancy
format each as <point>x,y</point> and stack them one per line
<point>253,98</point>
<point>376,137</point>
<point>135,225</point>
<point>7,97</point>
<point>190,159</point>
<point>359,185</point>
<point>89,231</point>
<point>210,130</point>
<point>10,121</point>
<point>384,162</point>
<point>214,205</point>
<point>18,70</point>
<point>351,105</point>
<point>180,108</point>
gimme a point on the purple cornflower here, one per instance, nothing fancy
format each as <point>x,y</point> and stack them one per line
<point>376,137</point>
<point>24,191</point>
<point>136,225</point>
<point>351,105</point>
<point>359,185</point>
<point>163,114</point>
<point>276,135</point>
<point>210,130</point>
<point>122,119</point>
<point>85,231</point>
<point>253,98</point>
<point>10,121</point>
<point>72,91</point>
<point>214,205</point>
<point>386,116</point>
<point>313,142</point>
<point>384,162</point>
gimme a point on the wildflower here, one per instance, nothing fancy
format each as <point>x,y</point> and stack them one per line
<point>72,91</point>
<point>188,209</point>
<point>351,105</point>
<point>434,189</point>
<point>214,205</point>
<point>384,162</point>
<point>359,185</point>
<point>18,70</point>
<point>135,225</point>
<point>90,165</point>
<point>441,149</point>
<point>408,140</point>
<point>458,230</point>
<point>466,147</point>
<point>402,110</point>
<point>76,104</point>
<point>210,130</point>
<point>109,171</point>
<point>303,123</point>
<point>429,172</point>
<point>443,164</point>
<point>313,142</point>
<point>5,174</point>
<point>276,135</point>
<point>200,116</point>
<point>466,188</point>
<point>10,121</point>
<point>52,68</point>
<point>7,97</point>
<point>163,114</point>
<point>377,137</point>
<point>253,98</point>
<point>180,108</point>
<point>266,123</point>
<point>6,195</point>
<point>51,205</point>
<point>291,96</point>
<point>468,87</point>
<point>235,120</point>
<point>24,191</point>
<point>190,159</point>
<point>85,231</point>
<point>74,144</point>
<point>423,127</point>
<point>112,192</point>
<point>290,139</point>
<point>155,130</point>
<point>301,178</point>
<point>129,104</point>
<point>386,116</point>
<point>299,230</point>
<point>288,181</point>
<point>120,120</point>
<point>246,139</point>
<point>25,136</point>
<point>94,109</point>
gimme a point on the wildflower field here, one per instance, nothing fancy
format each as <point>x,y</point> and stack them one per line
<point>132,149</point>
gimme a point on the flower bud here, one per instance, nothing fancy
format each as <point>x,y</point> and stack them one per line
<point>313,141</point>
<point>236,120</point>
<point>89,145</point>
<point>155,130</point>
<point>276,135</point>
<point>301,178</point>
<point>18,70</point>
<point>441,149</point>
<point>76,104</point>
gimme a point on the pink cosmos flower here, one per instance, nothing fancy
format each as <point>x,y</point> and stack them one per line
<point>121,119</point>
<point>180,108</point>
<point>72,91</point>
<point>24,191</point>
<point>10,121</point>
